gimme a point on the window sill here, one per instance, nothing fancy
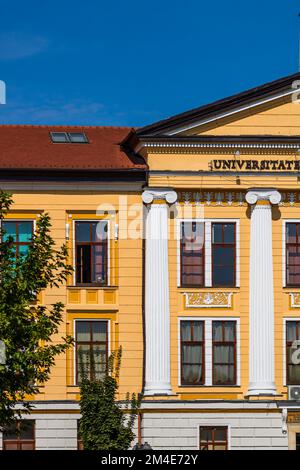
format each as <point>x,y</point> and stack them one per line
<point>93,287</point>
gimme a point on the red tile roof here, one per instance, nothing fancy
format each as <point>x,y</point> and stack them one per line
<point>30,147</point>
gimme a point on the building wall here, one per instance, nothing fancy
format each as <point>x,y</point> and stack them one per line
<point>120,302</point>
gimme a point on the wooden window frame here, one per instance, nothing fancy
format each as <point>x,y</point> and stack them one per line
<point>225,343</point>
<point>182,242</point>
<point>287,246</point>
<point>101,243</point>
<point>288,344</point>
<point>213,442</point>
<point>17,222</point>
<point>19,442</point>
<point>223,245</point>
<point>192,342</point>
<point>90,343</point>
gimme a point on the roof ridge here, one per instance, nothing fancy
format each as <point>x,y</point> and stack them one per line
<point>62,126</point>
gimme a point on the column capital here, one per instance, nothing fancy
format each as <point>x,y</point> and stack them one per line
<point>269,195</point>
<point>151,194</point>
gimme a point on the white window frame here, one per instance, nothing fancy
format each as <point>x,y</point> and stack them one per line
<point>214,424</point>
<point>208,249</point>
<point>108,250</point>
<point>208,350</point>
<point>108,320</point>
<point>284,222</point>
<point>285,320</point>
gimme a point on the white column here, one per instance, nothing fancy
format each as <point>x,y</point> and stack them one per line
<point>157,310</point>
<point>261,353</point>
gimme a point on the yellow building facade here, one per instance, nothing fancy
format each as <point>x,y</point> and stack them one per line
<point>198,278</point>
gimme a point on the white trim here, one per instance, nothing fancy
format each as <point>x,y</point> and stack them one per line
<point>108,320</point>
<point>208,255</point>
<point>232,112</point>
<point>213,424</point>
<point>108,249</point>
<point>208,247</point>
<point>208,348</point>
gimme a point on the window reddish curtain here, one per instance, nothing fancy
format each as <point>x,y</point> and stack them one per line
<point>293,254</point>
<point>20,436</point>
<point>192,254</point>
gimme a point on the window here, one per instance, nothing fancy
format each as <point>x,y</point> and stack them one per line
<point>21,234</point>
<point>91,253</point>
<point>224,352</point>
<point>223,254</point>
<point>91,348</point>
<point>292,369</point>
<point>192,254</point>
<point>79,440</point>
<point>19,436</point>
<point>208,255</point>
<point>192,352</point>
<point>293,254</point>
<point>297,441</point>
<point>69,137</point>
<point>213,438</point>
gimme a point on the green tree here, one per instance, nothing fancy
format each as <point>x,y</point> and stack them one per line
<point>27,328</point>
<point>106,423</point>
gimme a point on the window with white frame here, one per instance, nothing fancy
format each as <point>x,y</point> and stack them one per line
<point>209,351</point>
<point>91,348</point>
<point>91,253</point>
<point>208,253</point>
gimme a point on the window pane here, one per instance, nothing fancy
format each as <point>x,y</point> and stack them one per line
<point>23,250</point>
<point>223,256</point>
<point>83,329</point>
<point>294,374</point>
<point>229,233</point>
<point>24,232</point>
<point>59,137</point>
<point>198,330</point>
<point>83,233</point>
<point>192,354</point>
<point>27,429</point>
<point>83,273</point>
<point>205,434</point>
<point>223,276</point>
<point>217,236</point>
<point>293,255</point>
<point>77,137</point>
<point>191,373</point>
<point>192,248</point>
<point>99,330</point>
<point>10,229</point>
<point>291,330</point>
<point>99,230</point>
<point>186,331</point>
<point>223,374</point>
<point>224,354</point>
<point>220,434</point>
<point>229,332</point>
<point>217,331</point>
<point>291,231</point>
<point>98,263</point>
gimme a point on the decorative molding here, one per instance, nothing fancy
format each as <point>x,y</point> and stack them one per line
<point>214,145</point>
<point>233,198</point>
<point>208,299</point>
<point>295,299</point>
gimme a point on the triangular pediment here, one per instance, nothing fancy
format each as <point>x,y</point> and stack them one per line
<point>267,110</point>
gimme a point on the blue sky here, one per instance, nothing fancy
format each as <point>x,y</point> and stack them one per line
<point>132,62</point>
